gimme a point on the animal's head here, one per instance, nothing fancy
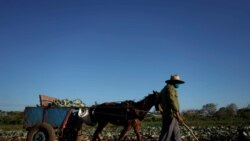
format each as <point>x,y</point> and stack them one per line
<point>143,106</point>
<point>156,102</point>
<point>152,99</point>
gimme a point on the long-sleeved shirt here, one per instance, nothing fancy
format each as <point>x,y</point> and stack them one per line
<point>168,102</point>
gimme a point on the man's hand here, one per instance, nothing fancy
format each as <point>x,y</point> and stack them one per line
<point>179,118</point>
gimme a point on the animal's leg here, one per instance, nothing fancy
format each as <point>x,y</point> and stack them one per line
<point>137,128</point>
<point>98,131</point>
<point>124,131</point>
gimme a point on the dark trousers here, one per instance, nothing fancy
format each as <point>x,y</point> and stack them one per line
<point>170,129</point>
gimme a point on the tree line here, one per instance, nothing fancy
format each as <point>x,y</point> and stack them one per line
<point>210,110</point>
<point>12,117</point>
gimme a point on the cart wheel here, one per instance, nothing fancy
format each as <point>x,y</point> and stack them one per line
<point>41,132</point>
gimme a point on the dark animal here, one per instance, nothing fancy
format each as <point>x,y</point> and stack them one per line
<point>127,114</point>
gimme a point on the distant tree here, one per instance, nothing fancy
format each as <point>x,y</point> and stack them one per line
<point>191,114</point>
<point>248,106</point>
<point>227,112</point>
<point>12,118</point>
<point>221,113</point>
<point>232,109</point>
<point>244,113</point>
<point>209,109</point>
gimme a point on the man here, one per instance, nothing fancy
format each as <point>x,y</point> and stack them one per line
<point>169,108</point>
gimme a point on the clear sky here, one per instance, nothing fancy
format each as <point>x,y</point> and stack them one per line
<point>115,50</point>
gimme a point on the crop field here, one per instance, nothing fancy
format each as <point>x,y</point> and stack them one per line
<point>150,132</point>
<point>225,128</point>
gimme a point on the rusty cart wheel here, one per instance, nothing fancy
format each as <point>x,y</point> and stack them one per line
<point>41,132</point>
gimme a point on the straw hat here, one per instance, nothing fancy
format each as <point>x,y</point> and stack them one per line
<point>175,79</point>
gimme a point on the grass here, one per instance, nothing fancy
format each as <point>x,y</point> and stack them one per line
<point>215,122</point>
<point>10,127</point>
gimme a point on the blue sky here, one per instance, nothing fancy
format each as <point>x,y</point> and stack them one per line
<point>102,51</point>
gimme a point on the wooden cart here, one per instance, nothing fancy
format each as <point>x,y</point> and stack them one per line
<point>50,123</point>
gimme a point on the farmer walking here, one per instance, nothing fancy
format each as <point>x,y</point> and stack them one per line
<point>169,108</point>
